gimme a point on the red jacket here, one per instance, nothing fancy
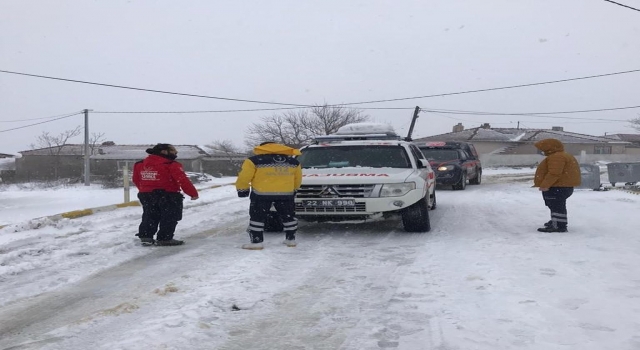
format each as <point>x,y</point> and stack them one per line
<point>159,173</point>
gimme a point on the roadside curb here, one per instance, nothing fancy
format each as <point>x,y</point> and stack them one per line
<point>74,214</point>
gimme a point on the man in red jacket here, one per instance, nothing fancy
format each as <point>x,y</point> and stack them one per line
<point>159,179</point>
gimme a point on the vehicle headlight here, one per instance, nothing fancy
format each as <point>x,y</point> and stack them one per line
<point>446,168</point>
<point>397,190</point>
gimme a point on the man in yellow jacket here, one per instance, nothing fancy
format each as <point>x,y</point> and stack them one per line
<point>270,177</point>
<point>556,176</point>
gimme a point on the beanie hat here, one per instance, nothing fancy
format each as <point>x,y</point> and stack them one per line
<point>158,148</point>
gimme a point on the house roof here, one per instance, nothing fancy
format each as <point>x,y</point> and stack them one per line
<point>130,152</point>
<point>625,137</point>
<point>514,135</point>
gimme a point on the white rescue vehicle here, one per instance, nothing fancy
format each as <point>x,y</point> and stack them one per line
<point>366,171</point>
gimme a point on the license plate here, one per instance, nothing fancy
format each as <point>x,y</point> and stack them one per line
<point>329,203</point>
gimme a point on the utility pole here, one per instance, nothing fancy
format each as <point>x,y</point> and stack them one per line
<point>87,171</point>
<point>413,122</point>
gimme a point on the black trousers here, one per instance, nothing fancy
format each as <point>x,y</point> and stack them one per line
<point>260,207</point>
<point>556,199</point>
<point>160,208</point>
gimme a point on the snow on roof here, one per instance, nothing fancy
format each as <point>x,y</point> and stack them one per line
<point>365,128</point>
<point>7,164</point>
<point>516,135</point>
<point>131,152</point>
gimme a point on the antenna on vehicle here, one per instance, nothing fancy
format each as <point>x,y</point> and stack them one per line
<point>413,123</point>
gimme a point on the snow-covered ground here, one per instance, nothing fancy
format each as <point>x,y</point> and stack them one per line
<point>483,278</point>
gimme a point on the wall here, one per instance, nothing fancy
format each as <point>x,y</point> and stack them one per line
<point>29,168</point>
<point>495,160</point>
<point>223,167</point>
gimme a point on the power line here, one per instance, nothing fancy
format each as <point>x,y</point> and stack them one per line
<point>26,120</point>
<point>497,88</point>
<point>341,104</point>
<point>529,115</point>
<point>152,90</point>
<point>238,110</point>
<point>48,121</point>
<point>619,4</point>
<point>532,113</point>
<point>370,108</point>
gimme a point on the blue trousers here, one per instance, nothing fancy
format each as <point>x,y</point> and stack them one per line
<point>556,199</point>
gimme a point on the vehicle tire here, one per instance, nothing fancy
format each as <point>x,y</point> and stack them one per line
<point>478,178</point>
<point>416,217</point>
<point>273,223</point>
<point>433,201</point>
<point>462,184</point>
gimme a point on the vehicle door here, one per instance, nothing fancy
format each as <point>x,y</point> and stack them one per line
<point>467,164</point>
<point>425,172</point>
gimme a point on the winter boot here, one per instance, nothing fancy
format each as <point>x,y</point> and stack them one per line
<point>548,223</point>
<point>169,242</point>
<point>552,229</point>
<point>290,243</point>
<point>253,246</point>
<point>147,241</point>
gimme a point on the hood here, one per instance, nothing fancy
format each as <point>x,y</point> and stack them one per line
<point>549,146</point>
<point>276,148</point>
<point>354,175</point>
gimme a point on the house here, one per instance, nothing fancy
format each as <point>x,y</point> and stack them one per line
<point>633,138</point>
<point>515,146</point>
<point>7,168</point>
<point>106,160</point>
<point>220,163</point>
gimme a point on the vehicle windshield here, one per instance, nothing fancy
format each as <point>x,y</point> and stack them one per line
<point>440,154</point>
<point>355,156</point>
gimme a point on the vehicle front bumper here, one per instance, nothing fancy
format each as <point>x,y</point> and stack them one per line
<point>362,207</point>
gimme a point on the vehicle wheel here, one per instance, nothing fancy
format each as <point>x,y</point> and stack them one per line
<point>478,178</point>
<point>462,184</point>
<point>273,223</point>
<point>416,217</point>
<point>433,200</point>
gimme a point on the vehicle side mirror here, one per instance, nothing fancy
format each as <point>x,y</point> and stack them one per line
<point>423,163</point>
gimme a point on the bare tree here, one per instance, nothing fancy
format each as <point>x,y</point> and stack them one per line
<point>635,123</point>
<point>298,128</point>
<point>55,144</point>
<point>95,140</point>
<point>233,154</point>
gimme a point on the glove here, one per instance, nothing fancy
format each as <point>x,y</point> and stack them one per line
<point>243,193</point>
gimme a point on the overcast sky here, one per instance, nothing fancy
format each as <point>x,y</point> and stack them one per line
<point>312,52</point>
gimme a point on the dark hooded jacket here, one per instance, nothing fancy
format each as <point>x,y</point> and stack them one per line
<point>271,172</point>
<point>558,169</point>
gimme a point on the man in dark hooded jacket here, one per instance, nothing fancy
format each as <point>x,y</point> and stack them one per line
<point>271,177</point>
<point>556,176</point>
<point>159,179</point>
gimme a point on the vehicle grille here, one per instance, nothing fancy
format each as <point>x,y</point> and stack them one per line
<point>359,207</point>
<point>335,191</point>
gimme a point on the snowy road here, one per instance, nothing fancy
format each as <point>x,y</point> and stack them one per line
<point>483,278</point>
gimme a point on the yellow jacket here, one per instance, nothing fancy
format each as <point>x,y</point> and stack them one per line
<point>271,172</point>
<point>558,169</point>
